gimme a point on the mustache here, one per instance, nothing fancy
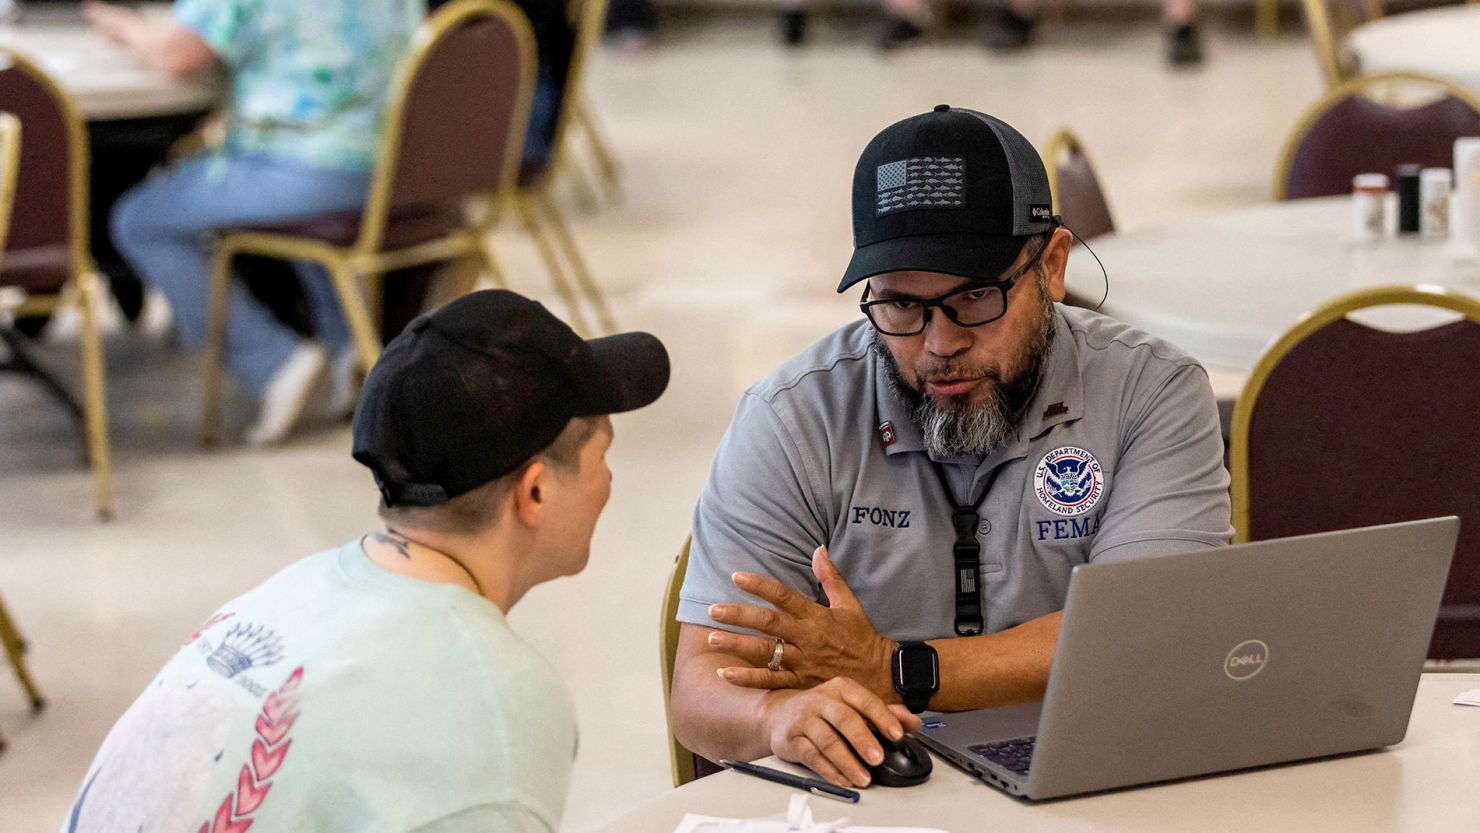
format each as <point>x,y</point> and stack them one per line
<point>954,370</point>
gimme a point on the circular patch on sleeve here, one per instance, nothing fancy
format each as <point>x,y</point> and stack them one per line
<point>1069,481</point>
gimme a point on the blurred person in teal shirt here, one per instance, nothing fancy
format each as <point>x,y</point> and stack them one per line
<point>308,86</point>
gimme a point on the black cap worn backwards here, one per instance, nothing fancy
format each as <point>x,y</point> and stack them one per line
<point>952,191</point>
<point>472,391</point>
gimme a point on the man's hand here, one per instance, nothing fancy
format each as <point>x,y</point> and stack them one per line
<point>820,643</point>
<point>112,22</point>
<point>826,728</point>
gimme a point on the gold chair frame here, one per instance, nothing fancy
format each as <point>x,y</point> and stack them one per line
<point>680,759</point>
<point>534,202</point>
<point>85,286</point>
<point>10,638</point>
<point>364,258</point>
<point>1323,34</point>
<point>1066,141</point>
<point>1360,85</point>
<point>1337,308</point>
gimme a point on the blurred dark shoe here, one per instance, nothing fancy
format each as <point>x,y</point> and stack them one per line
<point>899,31</point>
<point>1184,47</point>
<point>793,26</point>
<point>1007,32</point>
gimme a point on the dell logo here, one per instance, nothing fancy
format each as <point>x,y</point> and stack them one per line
<point>1246,659</point>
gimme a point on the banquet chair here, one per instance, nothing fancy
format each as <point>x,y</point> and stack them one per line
<point>535,203</point>
<point>1075,188</point>
<point>1329,22</point>
<point>1076,195</point>
<point>1342,425</point>
<point>47,265</point>
<point>454,127</point>
<point>686,765</point>
<point>10,638</point>
<point>1348,131</point>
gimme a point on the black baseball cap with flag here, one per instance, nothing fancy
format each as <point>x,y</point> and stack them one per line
<point>469,393</point>
<point>952,191</point>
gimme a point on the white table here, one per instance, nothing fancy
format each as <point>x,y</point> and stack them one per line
<point>105,82</point>
<point>1444,41</point>
<point>1426,783</point>
<point>1223,285</point>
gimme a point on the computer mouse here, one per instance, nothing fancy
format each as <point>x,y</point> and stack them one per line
<point>906,762</point>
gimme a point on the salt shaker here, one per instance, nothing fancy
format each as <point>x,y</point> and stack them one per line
<point>1433,197</point>
<point>1368,191</point>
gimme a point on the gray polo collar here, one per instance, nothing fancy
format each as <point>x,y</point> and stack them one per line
<point>1059,399</point>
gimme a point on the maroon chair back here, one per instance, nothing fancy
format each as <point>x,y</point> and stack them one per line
<point>1357,135</point>
<point>36,252</point>
<point>463,112</point>
<point>1082,203</point>
<point>1356,426</point>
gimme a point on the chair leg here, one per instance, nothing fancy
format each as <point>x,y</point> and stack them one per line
<point>356,312</point>
<point>578,264</point>
<point>1266,18</point>
<point>215,344</point>
<point>14,649</point>
<point>95,393</point>
<point>483,257</point>
<point>605,159</point>
<point>530,218</point>
<point>572,173</point>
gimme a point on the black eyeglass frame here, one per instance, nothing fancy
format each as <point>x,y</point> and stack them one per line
<point>1004,284</point>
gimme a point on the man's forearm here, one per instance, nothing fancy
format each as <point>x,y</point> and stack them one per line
<point>167,46</point>
<point>997,669</point>
<point>711,717</point>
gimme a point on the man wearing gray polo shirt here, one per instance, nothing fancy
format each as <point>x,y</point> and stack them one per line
<point>892,518</point>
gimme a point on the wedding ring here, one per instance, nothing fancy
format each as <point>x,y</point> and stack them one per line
<point>775,663</point>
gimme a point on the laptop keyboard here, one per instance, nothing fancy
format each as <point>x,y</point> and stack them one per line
<point>1016,755</point>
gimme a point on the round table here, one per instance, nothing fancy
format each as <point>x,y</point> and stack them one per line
<point>1444,41</point>
<point>1425,783</point>
<point>104,81</point>
<point>1223,285</point>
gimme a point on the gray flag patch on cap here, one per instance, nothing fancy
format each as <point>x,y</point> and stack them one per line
<point>923,182</point>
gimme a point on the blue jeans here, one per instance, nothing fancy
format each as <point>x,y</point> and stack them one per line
<point>162,227</point>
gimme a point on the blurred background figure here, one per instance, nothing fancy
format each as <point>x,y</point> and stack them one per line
<point>904,21</point>
<point>308,84</point>
<point>1011,28</point>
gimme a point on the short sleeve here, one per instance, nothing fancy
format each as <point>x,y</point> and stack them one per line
<point>229,27</point>
<point>1170,493</point>
<point>759,512</point>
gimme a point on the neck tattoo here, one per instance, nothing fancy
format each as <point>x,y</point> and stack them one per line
<point>402,545</point>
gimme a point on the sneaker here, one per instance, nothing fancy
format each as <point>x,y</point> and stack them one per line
<point>794,26</point>
<point>344,384</point>
<point>285,395</point>
<point>1184,47</point>
<point>1007,32</point>
<point>899,31</point>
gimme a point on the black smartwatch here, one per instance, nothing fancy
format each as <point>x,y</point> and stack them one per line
<point>916,669</point>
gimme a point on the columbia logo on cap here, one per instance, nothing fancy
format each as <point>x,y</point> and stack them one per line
<point>1040,212</point>
<point>923,182</point>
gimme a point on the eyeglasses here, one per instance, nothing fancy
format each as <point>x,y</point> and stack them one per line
<point>977,303</point>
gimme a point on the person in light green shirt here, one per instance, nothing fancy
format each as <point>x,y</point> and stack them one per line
<point>308,84</point>
<point>378,686</point>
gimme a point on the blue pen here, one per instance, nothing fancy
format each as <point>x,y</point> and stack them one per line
<point>811,785</point>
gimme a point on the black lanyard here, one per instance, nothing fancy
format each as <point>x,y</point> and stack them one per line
<point>968,554</point>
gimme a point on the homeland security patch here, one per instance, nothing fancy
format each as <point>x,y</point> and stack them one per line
<point>1068,481</point>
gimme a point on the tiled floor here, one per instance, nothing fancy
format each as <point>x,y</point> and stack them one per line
<point>731,233</point>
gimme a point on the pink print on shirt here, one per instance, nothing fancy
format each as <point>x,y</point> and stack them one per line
<point>269,749</point>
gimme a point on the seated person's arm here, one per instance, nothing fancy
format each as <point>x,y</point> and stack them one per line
<point>162,43</point>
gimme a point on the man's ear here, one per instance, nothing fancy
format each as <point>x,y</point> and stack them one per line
<point>529,494</point>
<point>1056,260</point>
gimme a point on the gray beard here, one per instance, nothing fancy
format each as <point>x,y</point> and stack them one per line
<point>963,429</point>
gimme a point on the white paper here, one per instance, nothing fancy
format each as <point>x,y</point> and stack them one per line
<point>796,819</point>
<point>1468,698</point>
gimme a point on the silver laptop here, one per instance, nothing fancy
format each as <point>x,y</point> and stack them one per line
<point>1184,665</point>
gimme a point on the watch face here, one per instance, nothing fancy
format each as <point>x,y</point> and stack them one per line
<point>917,669</point>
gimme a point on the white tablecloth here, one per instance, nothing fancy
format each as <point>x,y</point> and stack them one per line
<point>1444,41</point>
